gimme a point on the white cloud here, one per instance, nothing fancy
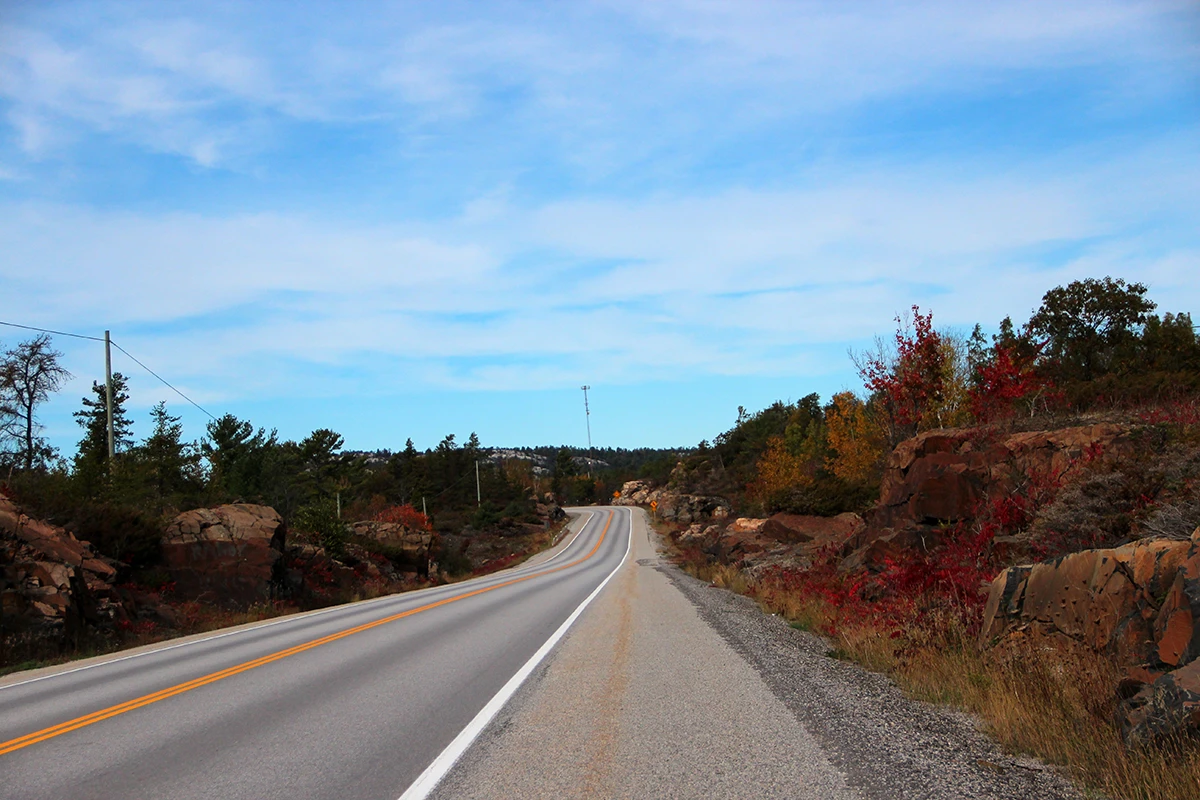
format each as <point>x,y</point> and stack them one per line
<point>735,282</point>
<point>609,83</point>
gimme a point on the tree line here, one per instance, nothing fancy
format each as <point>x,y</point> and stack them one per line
<point>1093,345</point>
<point>119,503</point>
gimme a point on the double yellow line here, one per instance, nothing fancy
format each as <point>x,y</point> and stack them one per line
<point>130,705</point>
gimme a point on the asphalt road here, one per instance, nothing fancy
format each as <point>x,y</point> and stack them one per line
<point>353,702</point>
<point>596,670</point>
<point>644,699</point>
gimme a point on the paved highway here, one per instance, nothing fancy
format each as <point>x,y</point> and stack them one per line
<point>642,683</point>
<point>372,700</point>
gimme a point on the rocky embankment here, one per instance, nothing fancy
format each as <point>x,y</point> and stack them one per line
<point>52,585</point>
<point>1137,604</point>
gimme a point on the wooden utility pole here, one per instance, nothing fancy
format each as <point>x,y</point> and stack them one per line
<point>108,393</point>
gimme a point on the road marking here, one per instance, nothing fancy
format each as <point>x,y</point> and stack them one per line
<point>400,596</point>
<point>428,780</point>
<point>130,705</point>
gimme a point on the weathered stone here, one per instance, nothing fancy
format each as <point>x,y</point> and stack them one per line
<point>1138,603</point>
<point>813,530</point>
<point>225,555</point>
<point>747,525</point>
<point>943,475</point>
<point>1165,709</point>
<point>412,543</point>
<point>48,577</point>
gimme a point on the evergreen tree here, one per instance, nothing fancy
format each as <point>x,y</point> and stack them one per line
<point>171,466</point>
<point>91,460</point>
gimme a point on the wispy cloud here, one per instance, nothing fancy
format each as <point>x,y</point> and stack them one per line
<point>266,196</point>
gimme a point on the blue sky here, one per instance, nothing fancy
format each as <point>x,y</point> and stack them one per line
<point>411,219</point>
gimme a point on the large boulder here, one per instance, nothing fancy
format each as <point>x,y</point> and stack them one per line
<point>1166,709</point>
<point>1139,604</point>
<point>50,581</point>
<point>688,508</point>
<point>1128,602</point>
<point>636,493</point>
<point>413,544</point>
<point>815,531</point>
<point>226,555</point>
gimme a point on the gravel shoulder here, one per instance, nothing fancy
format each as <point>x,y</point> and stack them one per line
<point>887,745</point>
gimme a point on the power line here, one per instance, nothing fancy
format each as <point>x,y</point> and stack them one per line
<point>56,333</point>
<point>122,349</point>
<point>164,380</point>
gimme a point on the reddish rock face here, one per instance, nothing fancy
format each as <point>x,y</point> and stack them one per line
<point>820,531</point>
<point>225,555</point>
<point>1108,599</point>
<point>1139,604</point>
<point>50,579</point>
<point>941,476</point>
<point>413,543</point>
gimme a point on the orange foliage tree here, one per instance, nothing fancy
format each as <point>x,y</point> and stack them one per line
<point>778,471</point>
<point>856,439</point>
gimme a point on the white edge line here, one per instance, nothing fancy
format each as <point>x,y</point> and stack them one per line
<point>273,622</point>
<point>436,771</point>
<point>567,546</point>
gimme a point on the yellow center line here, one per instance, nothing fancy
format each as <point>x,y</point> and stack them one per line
<point>98,716</point>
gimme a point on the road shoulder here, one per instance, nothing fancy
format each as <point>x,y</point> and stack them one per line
<point>888,745</point>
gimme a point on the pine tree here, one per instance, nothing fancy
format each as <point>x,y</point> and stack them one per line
<point>91,460</point>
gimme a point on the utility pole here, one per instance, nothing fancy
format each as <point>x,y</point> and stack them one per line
<point>587,414</point>
<point>478,494</point>
<point>108,392</point>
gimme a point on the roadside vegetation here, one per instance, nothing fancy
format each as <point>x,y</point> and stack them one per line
<point>1094,352</point>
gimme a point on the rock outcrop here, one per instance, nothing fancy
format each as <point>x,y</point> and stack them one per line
<point>50,581</point>
<point>413,545</point>
<point>941,476</point>
<point>674,506</point>
<point>1139,604</point>
<point>784,540</point>
<point>226,555</point>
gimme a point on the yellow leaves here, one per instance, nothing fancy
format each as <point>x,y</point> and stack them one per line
<point>856,439</point>
<point>778,470</point>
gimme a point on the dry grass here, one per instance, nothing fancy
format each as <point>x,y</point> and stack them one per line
<point>1048,701</point>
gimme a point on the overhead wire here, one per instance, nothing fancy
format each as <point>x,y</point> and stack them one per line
<point>56,333</point>
<point>164,381</point>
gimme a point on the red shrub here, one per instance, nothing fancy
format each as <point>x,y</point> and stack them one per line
<point>404,515</point>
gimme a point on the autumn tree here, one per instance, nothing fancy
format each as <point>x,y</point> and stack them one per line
<point>856,440</point>
<point>779,471</point>
<point>909,381</point>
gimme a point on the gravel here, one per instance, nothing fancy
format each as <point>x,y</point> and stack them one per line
<point>887,745</point>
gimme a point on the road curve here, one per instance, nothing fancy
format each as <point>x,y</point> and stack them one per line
<point>352,702</point>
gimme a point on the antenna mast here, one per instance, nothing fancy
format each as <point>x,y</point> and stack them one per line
<point>587,414</point>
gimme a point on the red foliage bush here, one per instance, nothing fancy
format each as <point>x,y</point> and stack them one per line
<point>1006,380</point>
<point>921,588</point>
<point>404,515</point>
<point>914,383</point>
